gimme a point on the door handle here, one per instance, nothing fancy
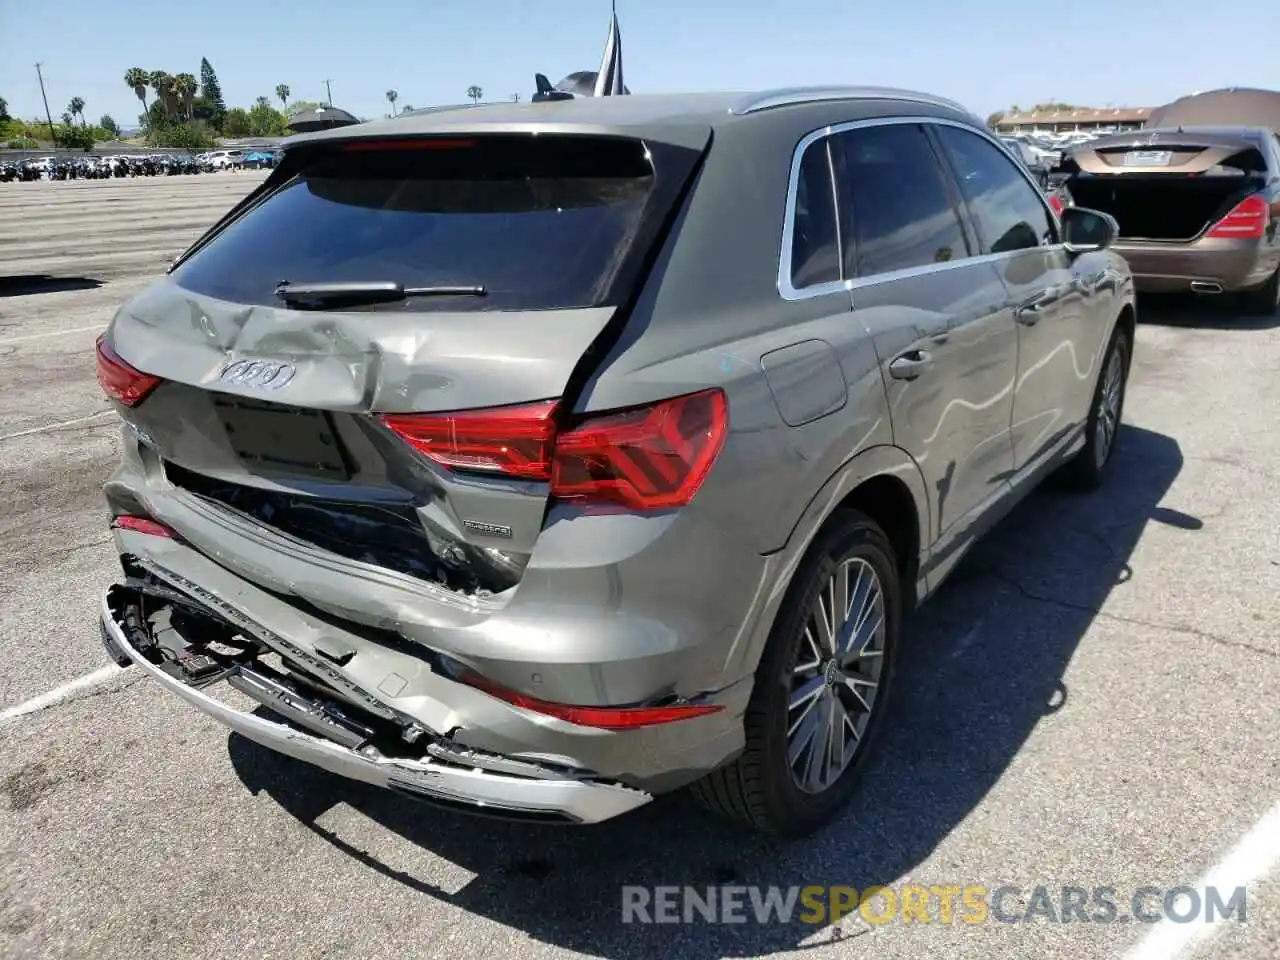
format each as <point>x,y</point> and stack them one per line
<point>910,365</point>
<point>1030,312</point>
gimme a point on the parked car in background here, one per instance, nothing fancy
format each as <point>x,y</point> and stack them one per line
<point>538,475</point>
<point>1040,167</point>
<point>1198,208</point>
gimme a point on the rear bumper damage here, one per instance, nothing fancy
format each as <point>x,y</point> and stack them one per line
<point>457,777</point>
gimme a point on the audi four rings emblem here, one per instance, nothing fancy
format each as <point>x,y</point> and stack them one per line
<point>263,374</point>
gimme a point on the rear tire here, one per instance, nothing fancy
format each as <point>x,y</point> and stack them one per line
<point>1087,469</point>
<point>783,783</point>
<point>1264,301</point>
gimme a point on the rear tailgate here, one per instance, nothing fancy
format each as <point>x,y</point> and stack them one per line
<point>1165,186</point>
<point>290,415</point>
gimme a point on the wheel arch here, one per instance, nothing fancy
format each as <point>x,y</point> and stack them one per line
<point>883,482</point>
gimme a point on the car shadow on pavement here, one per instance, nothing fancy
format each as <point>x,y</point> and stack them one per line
<point>1201,312</point>
<point>986,662</point>
<point>27,285</point>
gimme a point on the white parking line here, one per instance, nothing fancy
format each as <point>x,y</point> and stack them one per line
<point>58,694</point>
<point>51,333</point>
<point>1254,856</point>
<point>56,426</point>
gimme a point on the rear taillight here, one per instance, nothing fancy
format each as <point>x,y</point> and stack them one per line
<point>1055,201</point>
<point>515,441</point>
<point>1247,219</point>
<point>646,458</point>
<point>121,381</point>
<point>652,458</point>
<point>142,525</point>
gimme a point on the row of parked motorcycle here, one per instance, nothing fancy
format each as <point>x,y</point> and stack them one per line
<point>102,168</point>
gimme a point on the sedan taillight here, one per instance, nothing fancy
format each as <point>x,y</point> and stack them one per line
<point>1247,219</point>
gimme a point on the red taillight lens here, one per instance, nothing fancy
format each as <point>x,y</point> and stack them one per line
<point>648,458</point>
<point>515,441</point>
<point>1055,201</point>
<point>605,718</point>
<point>142,525</point>
<point>652,458</point>
<point>1247,219</point>
<point>120,380</point>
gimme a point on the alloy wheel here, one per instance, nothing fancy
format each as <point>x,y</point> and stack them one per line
<point>836,675</point>
<point>1108,418</point>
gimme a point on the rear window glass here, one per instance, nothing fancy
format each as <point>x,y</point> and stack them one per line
<point>540,223</point>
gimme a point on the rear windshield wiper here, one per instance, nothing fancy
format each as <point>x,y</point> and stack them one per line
<point>371,291</point>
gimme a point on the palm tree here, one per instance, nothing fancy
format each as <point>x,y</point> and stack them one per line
<point>475,93</point>
<point>283,91</point>
<point>262,103</point>
<point>66,118</point>
<point>76,108</point>
<point>4,107</point>
<point>138,79</point>
<point>392,97</point>
<point>185,86</point>
<point>162,84</point>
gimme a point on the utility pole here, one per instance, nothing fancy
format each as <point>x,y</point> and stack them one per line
<point>49,116</point>
<point>328,93</point>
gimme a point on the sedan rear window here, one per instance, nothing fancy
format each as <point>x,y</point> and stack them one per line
<point>538,222</point>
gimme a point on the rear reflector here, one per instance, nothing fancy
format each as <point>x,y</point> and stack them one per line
<point>121,381</point>
<point>143,525</point>
<point>1247,220</point>
<point>605,718</point>
<point>646,458</point>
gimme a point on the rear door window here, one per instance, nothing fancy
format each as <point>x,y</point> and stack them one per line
<point>539,222</point>
<point>815,237</point>
<point>895,203</point>
<point>1009,212</point>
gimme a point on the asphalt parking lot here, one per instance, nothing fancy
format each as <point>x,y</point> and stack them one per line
<point>1091,701</point>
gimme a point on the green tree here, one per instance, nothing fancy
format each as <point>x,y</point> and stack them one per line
<point>76,108</point>
<point>183,136</point>
<point>265,120</point>
<point>4,109</point>
<point>211,94</point>
<point>392,97</point>
<point>138,79</point>
<point>235,123</point>
<point>184,93</point>
<point>406,108</point>
<point>162,84</point>
<point>71,137</point>
<point>994,119</point>
<point>109,126</point>
<point>283,91</point>
<point>475,93</point>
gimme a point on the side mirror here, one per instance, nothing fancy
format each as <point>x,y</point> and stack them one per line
<point>1084,230</point>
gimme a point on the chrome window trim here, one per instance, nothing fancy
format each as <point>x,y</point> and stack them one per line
<point>791,293</point>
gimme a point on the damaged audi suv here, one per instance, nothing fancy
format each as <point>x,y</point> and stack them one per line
<point>538,459</point>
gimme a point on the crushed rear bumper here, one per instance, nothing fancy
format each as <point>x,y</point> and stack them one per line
<point>476,782</point>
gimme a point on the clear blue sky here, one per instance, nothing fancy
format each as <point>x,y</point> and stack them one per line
<point>986,53</point>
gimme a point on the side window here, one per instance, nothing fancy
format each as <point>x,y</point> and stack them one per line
<point>897,210</point>
<point>1009,212</point>
<point>815,240</point>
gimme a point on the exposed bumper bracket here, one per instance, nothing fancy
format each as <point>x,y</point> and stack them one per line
<point>470,788</point>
